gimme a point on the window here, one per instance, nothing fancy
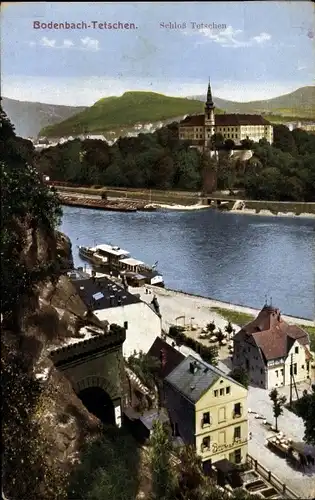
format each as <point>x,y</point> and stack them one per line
<point>237,456</point>
<point>222,414</point>
<point>205,443</point>
<point>237,432</point>
<point>295,369</point>
<point>261,370</point>
<point>281,372</point>
<point>237,409</point>
<point>206,418</point>
<point>126,325</point>
<point>277,373</point>
<point>302,367</point>
<point>222,437</point>
<point>248,349</point>
<point>296,350</point>
<point>215,393</point>
<point>228,390</point>
<point>222,392</point>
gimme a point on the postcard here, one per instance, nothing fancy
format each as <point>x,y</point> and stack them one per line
<point>158,266</point>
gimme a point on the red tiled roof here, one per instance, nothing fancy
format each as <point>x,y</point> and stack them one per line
<point>225,120</point>
<point>272,334</point>
<point>168,356</point>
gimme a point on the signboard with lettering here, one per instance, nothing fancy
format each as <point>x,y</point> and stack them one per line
<point>216,448</point>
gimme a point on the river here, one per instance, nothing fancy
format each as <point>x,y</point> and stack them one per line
<point>234,258</point>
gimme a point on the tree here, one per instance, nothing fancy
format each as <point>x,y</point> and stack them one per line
<point>229,329</point>
<point>240,375</point>
<point>220,335</point>
<point>108,468</point>
<point>145,367</point>
<point>278,404</point>
<point>305,407</point>
<point>211,327</point>
<point>163,476</point>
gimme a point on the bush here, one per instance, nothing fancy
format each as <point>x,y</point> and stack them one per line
<point>208,354</point>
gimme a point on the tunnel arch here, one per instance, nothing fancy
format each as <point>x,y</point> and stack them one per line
<point>98,395</point>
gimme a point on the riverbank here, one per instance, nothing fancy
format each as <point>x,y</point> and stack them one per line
<point>219,307</point>
<point>185,200</point>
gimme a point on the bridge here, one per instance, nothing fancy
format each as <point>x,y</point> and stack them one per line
<point>94,366</point>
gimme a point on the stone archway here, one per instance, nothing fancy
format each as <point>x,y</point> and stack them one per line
<point>100,398</point>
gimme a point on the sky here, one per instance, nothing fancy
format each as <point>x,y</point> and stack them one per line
<point>250,50</point>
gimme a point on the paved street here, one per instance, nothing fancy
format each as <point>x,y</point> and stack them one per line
<point>292,426</point>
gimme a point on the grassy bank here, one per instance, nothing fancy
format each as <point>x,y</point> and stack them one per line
<point>238,318</point>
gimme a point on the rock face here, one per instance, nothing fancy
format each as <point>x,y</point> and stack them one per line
<point>52,314</point>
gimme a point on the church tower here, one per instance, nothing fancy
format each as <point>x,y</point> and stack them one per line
<point>209,116</point>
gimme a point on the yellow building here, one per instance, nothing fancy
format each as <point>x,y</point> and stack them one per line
<point>208,410</point>
<point>200,128</point>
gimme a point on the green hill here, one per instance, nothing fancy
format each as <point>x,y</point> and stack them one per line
<point>114,113</point>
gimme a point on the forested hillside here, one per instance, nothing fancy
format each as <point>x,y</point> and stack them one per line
<point>283,171</point>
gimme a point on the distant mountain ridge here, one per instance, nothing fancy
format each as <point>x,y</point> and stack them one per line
<point>29,118</point>
<point>299,103</point>
<point>122,114</point>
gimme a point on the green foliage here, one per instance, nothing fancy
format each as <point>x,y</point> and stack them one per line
<point>238,318</point>
<point>108,468</point>
<point>163,476</point>
<point>278,404</point>
<point>145,367</point>
<point>240,375</point>
<point>26,203</point>
<point>29,470</point>
<point>208,354</point>
<point>305,408</point>
<point>284,171</point>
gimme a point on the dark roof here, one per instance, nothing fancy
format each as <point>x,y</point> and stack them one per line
<point>272,334</point>
<point>149,417</point>
<point>194,385</point>
<point>168,355</point>
<point>225,120</point>
<point>102,293</point>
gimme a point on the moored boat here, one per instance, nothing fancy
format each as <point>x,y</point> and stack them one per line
<point>119,261</point>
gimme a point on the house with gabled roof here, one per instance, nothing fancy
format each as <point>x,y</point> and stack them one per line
<point>273,353</point>
<point>207,409</point>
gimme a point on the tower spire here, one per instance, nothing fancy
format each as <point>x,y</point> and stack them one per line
<point>209,102</point>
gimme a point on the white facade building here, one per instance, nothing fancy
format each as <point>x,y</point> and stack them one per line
<point>111,302</point>
<point>269,349</point>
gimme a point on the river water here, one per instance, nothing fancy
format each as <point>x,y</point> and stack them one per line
<point>229,257</point>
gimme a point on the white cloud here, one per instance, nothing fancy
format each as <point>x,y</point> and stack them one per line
<point>45,42</point>
<point>90,44</point>
<point>87,43</point>
<point>230,37</point>
<point>263,37</point>
<point>300,68</point>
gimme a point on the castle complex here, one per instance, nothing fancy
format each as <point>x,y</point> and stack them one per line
<point>200,128</point>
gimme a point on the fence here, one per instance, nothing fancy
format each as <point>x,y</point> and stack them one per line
<point>271,478</point>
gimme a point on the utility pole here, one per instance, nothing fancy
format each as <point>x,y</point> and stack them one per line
<point>291,376</point>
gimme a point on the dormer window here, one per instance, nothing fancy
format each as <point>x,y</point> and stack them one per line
<point>296,350</point>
